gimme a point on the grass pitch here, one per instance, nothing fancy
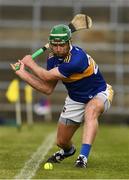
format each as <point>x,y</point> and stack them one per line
<point>108,159</point>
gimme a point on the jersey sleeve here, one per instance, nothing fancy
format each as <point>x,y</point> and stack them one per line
<point>77,64</point>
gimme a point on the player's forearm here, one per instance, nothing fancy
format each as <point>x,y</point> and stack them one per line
<point>35,82</point>
<point>41,73</point>
<point>37,70</point>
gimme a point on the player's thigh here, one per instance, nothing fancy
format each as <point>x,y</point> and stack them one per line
<point>66,131</point>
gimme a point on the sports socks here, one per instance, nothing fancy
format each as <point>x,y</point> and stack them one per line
<point>85,150</point>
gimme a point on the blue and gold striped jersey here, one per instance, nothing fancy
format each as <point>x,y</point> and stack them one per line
<point>82,77</point>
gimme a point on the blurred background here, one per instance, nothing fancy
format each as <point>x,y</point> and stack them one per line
<point>25,26</point>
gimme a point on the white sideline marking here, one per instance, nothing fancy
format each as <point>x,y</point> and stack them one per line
<point>32,165</point>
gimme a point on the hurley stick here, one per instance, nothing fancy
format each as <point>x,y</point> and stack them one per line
<point>80,21</point>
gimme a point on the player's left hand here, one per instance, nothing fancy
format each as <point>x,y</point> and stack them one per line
<point>17,64</point>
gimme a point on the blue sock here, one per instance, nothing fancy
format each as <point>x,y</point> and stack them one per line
<point>85,150</point>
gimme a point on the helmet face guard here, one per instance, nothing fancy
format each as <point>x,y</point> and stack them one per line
<point>60,34</point>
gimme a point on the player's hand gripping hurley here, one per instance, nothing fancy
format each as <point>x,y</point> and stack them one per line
<point>80,21</point>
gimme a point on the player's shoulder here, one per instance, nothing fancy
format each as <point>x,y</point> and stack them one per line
<point>79,54</point>
<point>77,51</point>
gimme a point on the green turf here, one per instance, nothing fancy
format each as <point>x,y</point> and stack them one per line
<point>108,159</point>
<point>17,147</point>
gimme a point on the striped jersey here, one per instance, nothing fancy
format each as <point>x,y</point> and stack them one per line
<point>82,77</point>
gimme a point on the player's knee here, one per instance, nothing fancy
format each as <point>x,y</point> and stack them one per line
<point>92,115</point>
<point>94,109</point>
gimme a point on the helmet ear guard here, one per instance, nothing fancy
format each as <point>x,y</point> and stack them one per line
<point>60,34</point>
